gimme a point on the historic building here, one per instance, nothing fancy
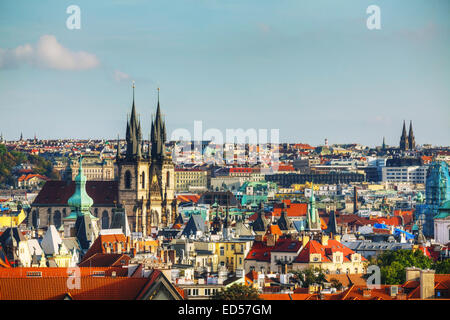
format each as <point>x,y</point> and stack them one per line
<point>94,168</point>
<point>442,224</point>
<point>144,185</point>
<point>407,142</point>
<point>437,191</point>
<point>146,181</point>
<point>191,179</point>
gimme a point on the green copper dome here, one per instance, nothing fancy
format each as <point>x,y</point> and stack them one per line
<point>80,202</point>
<point>419,197</point>
<point>445,205</point>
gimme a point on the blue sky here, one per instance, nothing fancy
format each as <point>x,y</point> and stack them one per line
<point>311,69</point>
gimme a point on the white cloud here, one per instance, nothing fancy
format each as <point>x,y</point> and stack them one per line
<point>48,53</point>
<point>119,76</point>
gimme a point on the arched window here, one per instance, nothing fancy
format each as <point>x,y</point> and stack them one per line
<point>168,179</point>
<point>143,180</point>
<point>127,180</point>
<point>57,219</point>
<point>105,220</point>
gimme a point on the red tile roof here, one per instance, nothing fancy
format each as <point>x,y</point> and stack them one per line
<point>27,177</point>
<point>105,260</point>
<point>275,296</point>
<point>288,167</point>
<point>292,210</point>
<point>241,170</point>
<point>60,272</point>
<point>287,245</point>
<point>326,252</point>
<point>99,247</point>
<point>274,229</point>
<point>91,288</point>
<point>259,251</point>
<point>188,198</point>
<point>392,221</point>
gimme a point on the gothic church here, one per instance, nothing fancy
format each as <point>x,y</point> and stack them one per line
<point>146,181</point>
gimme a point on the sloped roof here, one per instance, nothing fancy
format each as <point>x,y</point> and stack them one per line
<point>27,177</point>
<point>326,252</point>
<point>287,245</point>
<point>105,260</point>
<point>275,296</point>
<point>34,247</point>
<point>48,272</point>
<point>188,198</point>
<point>259,252</point>
<point>98,245</point>
<point>274,229</point>
<point>195,223</point>
<point>55,192</point>
<point>292,209</point>
<point>91,288</point>
<point>51,241</point>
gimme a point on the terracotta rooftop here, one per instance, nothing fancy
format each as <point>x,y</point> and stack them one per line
<point>326,252</point>
<point>91,288</point>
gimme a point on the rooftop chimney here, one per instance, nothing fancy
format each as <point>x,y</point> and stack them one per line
<point>325,240</point>
<point>412,274</point>
<point>305,240</point>
<point>426,284</point>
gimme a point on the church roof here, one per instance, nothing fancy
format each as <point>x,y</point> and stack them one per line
<point>51,241</point>
<point>80,200</point>
<point>57,193</point>
<point>195,223</point>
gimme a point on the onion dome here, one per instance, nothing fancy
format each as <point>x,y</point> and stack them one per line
<point>80,201</point>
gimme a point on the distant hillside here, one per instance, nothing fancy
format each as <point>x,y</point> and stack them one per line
<point>10,159</point>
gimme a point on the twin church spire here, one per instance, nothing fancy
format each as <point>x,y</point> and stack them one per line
<point>134,135</point>
<point>407,142</point>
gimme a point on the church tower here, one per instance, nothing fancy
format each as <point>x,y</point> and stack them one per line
<point>404,143</point>
<point>162,175</point>
<point>312,216</point>
<point>411,139</point>
<point>146,180</point>
<point>133,169</point>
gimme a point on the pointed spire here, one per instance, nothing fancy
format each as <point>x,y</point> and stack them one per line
<point>158,134</point>
<point>118,148</point>
<point>404,144</point>
<point>80,202</point>
<point>411,139</point>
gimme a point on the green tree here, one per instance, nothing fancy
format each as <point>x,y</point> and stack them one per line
<point>310,276</point>
<point>10,159</point>
<point>237,292</point>
<point>335,283</point>
<point>442,267</point>
<point>393,264</point>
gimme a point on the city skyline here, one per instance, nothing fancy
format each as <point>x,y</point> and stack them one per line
<point>314,74</point>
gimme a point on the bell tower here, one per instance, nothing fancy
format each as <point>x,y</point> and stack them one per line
<point>404,143</point>
<point>132,173</point>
